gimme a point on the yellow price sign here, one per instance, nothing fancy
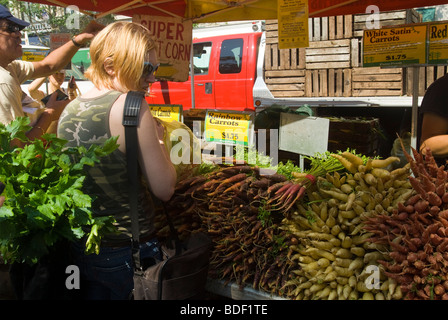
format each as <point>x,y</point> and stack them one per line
<point>227,128</point>
<point>438,43</point>
<point>292,23</point>
<point>167,111</point>
<point>395,46</point>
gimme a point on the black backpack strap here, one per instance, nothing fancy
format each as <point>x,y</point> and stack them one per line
<point>131,114</point>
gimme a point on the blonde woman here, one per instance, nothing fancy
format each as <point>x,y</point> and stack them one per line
<point>123,58</point>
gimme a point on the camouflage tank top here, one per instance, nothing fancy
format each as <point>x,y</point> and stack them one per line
<point>85,121</point>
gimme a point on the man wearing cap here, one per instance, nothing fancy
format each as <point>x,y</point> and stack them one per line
<point>14,72</point>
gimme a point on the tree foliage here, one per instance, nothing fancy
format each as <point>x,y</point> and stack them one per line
<point>58,18</point>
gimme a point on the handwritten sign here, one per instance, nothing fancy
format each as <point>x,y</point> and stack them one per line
<point>57,40</point>
<point>173,37</point>
<point>292,23</point>
<point>167,111</point>
<point>227,128</point>
<point>438,43</point>
<point>395,46</point>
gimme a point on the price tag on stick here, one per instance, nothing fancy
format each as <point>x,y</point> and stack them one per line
<point>227,128</point>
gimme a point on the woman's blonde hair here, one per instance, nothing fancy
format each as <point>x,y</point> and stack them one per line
<point>123,46</point>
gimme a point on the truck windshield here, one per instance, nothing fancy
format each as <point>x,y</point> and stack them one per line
<point>231,55</point>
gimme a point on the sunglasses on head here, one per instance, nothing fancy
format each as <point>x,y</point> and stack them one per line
<point>149,68</point>
<point>10,28</point>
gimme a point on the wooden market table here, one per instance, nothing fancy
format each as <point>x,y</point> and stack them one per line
<point>233,291</point>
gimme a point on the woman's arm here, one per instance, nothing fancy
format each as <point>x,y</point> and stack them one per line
<point>34,91</point>
<point>60,57</point>
<point>154,159</point>
<point>51,113</point>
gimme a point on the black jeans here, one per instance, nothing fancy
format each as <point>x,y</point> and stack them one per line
<point>109,275</point>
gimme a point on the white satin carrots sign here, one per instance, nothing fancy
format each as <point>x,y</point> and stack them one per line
<point>395,46</point>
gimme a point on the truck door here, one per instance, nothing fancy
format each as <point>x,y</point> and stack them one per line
<point>231,79</point>
<point>170,92</point>
<point>203,78</point>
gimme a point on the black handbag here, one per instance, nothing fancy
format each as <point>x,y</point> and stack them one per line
<point>182,273</point>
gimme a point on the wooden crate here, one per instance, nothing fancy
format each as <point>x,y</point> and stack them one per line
<point>376,81</point>
<point>388,18</point>
<point>329,45</point>
<point>284,59</point>
<point>286,83</point>
<point>321,28</point>
<point>426,76</point>
<point>330,28</point>
<point>328,54</point>
<point>328,83</point>
<point>281,59</point>
<point>361,134</point>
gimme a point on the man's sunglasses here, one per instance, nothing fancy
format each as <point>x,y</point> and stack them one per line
<point>10,28</point>
<point>149,69</point>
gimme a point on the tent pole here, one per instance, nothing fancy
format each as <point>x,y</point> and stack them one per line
<point>191,59</point>
<point>415,76</point>
<point>192,76</point>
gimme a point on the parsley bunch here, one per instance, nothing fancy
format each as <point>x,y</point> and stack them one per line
<point>44,202</point>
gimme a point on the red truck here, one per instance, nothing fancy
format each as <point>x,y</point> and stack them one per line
<point>224,71</point>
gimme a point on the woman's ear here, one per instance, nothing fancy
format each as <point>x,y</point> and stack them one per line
<point>109,67</point>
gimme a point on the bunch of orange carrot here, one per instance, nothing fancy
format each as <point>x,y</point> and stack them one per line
<point>417,233</point>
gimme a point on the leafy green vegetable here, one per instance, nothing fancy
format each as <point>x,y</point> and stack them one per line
<point>321,163</point>
<point>44,202</point>
<point>205,168</point>
<point>287,169</point>
<point>264,215</point>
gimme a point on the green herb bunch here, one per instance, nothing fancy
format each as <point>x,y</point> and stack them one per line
<point>44,201</point>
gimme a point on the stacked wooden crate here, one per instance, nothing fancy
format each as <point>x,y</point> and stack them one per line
<point>426,76</point>
<point>284,68</point>
<point>331,65</point>
<point>318,70</point>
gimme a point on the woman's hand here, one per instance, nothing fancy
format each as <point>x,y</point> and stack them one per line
<point>55,107</point>
<point>89,32</point>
